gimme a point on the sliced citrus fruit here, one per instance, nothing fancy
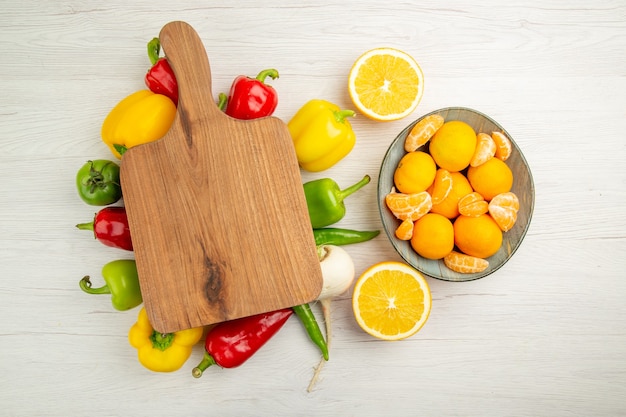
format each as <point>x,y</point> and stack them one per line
<point>485,149</point>
<point>503,145</point>
<point>442,185</point>
<point>473,205</point>
<point>503,209</point>
<point>465,264</point>
<point>405,230</point>
<point>422,132</point>
<point>391,300</point>
<point>408,206</point>
<point>386,84</point>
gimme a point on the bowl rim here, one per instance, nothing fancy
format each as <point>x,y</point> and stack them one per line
<point>384,212</point>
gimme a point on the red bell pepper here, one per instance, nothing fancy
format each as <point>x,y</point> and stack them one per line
<point>110,226</point>
<point>231,343</point>
<point>251,98</point>
<point>160,78</point>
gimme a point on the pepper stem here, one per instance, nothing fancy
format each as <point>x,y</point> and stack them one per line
<point>341,115</point>
<point>85,226</point>
<point>222,100</point>
<point>272,73</point>
<point>345,193</point>
<point>85,285</point>
<point>207,361</point>
<point>154,48</point>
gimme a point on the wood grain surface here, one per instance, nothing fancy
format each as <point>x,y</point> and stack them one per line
<point>216,208</point>
<point>545,335</point>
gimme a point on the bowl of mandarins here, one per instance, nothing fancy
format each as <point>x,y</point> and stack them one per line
<point>455,194</point>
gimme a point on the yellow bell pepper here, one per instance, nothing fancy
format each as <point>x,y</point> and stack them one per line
<point>139,118</point>
<point>162,352</point>
<point>321,135</point>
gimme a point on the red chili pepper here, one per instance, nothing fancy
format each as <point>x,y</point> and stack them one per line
<point>110,226</point>
<point>251,98</point>
<point>231,343</point>
<point>160,78</point>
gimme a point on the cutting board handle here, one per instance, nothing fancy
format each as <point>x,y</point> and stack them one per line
<point>187,57</point>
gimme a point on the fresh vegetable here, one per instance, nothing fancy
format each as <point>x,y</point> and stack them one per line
<point>321,135</point>
<point>340,237</point>
<point>122,283</point>
<point>251,98</point>
<point>162,352</point>
<point>337,274</point>
<point>231,343</point>
<point>307,318</point>
<point>98,182</point>
<point>110,226</point>
<point>160,77</point>
<point>324,200</point>
<point>139,118</point>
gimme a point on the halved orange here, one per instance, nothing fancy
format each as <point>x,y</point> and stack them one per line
<point>465,264</point>
<point>386,84</point>
<point>391,300</point>
<point>408,206</point>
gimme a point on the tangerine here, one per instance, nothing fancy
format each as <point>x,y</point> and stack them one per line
<point>453,146</point>
<point>433,236</point>
<point>477,236</point>
<point>491,178</point>
<point>415,172</point>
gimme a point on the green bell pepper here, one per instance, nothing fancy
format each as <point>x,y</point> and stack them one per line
<point>122,283</point>
<point>324,200</point>
<point>98,182</point>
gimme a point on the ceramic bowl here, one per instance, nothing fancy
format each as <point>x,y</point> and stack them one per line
<point>523,187</point>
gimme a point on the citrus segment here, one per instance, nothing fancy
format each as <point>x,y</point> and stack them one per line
<point>405,230</point>
<point>452,147</point>
<point>386,84</point>
<point>449,207</point>
<point>415,172</point>
<point>473,205</point>
<point>422,132</point>
<point>491,178</point>
<point>465,264</point>
<point>485,149</point>
<point>503,145</point>
<point>503,208</point>
<point>477,236</point>
<point>442,185</point>
<point>391,301</point>
<point>408,206</point>
<point>433,236</point>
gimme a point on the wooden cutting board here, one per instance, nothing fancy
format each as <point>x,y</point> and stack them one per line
<point>216,208</point>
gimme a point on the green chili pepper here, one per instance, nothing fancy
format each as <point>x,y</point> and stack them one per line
<point>324,200</point>
<point>307,318</point>
<point>121,282</point>
<point>340,237</point>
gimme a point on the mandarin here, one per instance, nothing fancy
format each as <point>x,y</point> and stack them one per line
<point>453,146</point>
<point>477,236</point>
<point>433,236</point>
<point>491,178</point>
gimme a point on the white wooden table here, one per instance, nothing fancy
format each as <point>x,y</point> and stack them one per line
<point>544,336</point>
